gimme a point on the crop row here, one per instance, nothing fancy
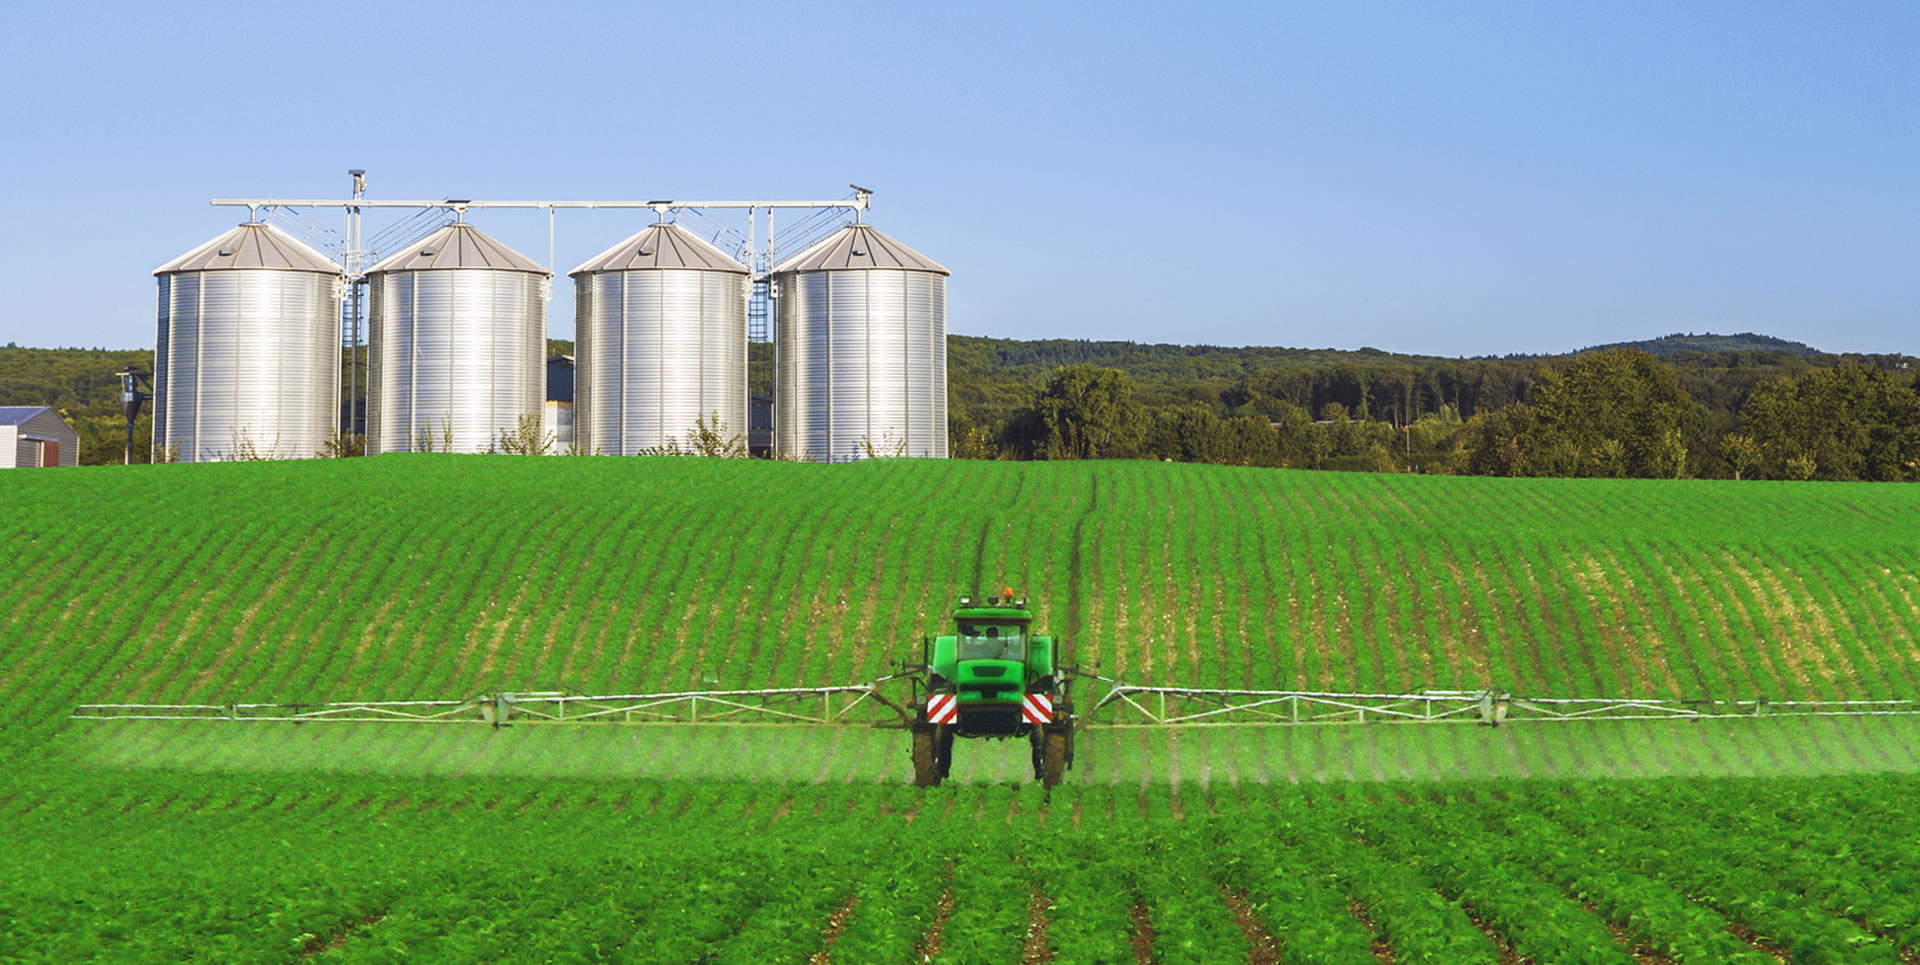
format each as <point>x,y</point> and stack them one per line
<point>156,867</point>
<point>440,576</point>
<point>1110,756</point>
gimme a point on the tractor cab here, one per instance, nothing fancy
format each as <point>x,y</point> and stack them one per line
<point>992,677</point>
<point>990,659</point>
<point>995,638</point>
<point>990,663</point>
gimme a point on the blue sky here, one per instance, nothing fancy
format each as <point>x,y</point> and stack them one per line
<point>1433,177</point>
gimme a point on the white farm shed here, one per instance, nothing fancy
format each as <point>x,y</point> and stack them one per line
<point>34,435</point>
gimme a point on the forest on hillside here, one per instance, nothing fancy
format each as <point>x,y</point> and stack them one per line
<point>1757,408</point>
<point>83,385</point>
<point>1751,407</point>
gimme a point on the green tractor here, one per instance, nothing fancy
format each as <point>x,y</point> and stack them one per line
<point>992,677</point>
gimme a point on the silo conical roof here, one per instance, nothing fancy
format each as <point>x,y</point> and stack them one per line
<point>458,246</point>
<point>255,244</point>
<point>859,246</point>
<point>662,246</point>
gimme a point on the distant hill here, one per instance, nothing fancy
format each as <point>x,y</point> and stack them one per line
<point>1683,343</point>
<point>1036,358</point>
<point>1707,342</point>
<point>971,356</point>
<point>996,374</point>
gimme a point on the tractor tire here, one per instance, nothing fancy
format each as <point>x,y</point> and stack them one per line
<point>1053,757</point>
<point>926,770</point>
<point>1037,738</point>
<point>1065,716</point>
<point>943,750</point>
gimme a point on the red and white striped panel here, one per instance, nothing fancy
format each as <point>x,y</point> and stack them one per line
<point>1037,709</point>
<point>943,708</point>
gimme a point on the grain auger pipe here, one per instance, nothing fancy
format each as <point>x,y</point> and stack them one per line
<point>994,677</point>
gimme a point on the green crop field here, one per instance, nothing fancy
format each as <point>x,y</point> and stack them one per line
<point>1701,870</point>
<point>440,576</point>
<point>413,577</point>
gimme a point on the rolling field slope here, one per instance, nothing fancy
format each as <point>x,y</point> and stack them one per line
<point>437,576</point>
<point>442,576</point>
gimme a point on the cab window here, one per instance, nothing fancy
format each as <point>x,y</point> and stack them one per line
<point>993,641</point>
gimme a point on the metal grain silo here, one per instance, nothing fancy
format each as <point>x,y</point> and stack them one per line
<point>247,359</point>
<point>457,328</point>
<point>660,342</point>
<point>860,350</point>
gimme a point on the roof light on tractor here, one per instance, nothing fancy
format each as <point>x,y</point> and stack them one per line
<point>993,677</point>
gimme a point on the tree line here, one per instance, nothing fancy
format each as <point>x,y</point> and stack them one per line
<point>81,384</point>
<point>1614,413</point>
<point>1753,408</point>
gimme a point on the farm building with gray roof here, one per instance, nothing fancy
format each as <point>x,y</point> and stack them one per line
<point>34,435</point>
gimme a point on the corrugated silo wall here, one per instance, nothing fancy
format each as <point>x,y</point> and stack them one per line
<point>246,360</point>
<point>583,351</point>
<point>860,365</point>
<point>656,351</point>
<point>457,358</point>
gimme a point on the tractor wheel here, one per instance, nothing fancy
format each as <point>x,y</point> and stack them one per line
<point>943,750</point>
<point>1053,762</point>
<point>926,771</point>
<point>1065,716</point>
<point>1038,738</point>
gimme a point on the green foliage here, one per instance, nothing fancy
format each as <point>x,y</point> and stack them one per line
<point>66,378</point>
<point>760,369</point>
<point>244,447</point>
<point>709,438</point>
<point>1086,412</point>
<point>432,436</point>
<point>994,385</point>
<point>528,438</point>
<point>343,445</point>
<point>155,867</point>
<point>1608,414</point>
<point>1742,453</point>
<point>967,439</point>
<point>103,433</point>
<point>1194,433</point>
<point>887,446</point>
<point>1686,342</point>
<point>1849,423</point>
<point>83,385</point>
<point>987,361</point>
